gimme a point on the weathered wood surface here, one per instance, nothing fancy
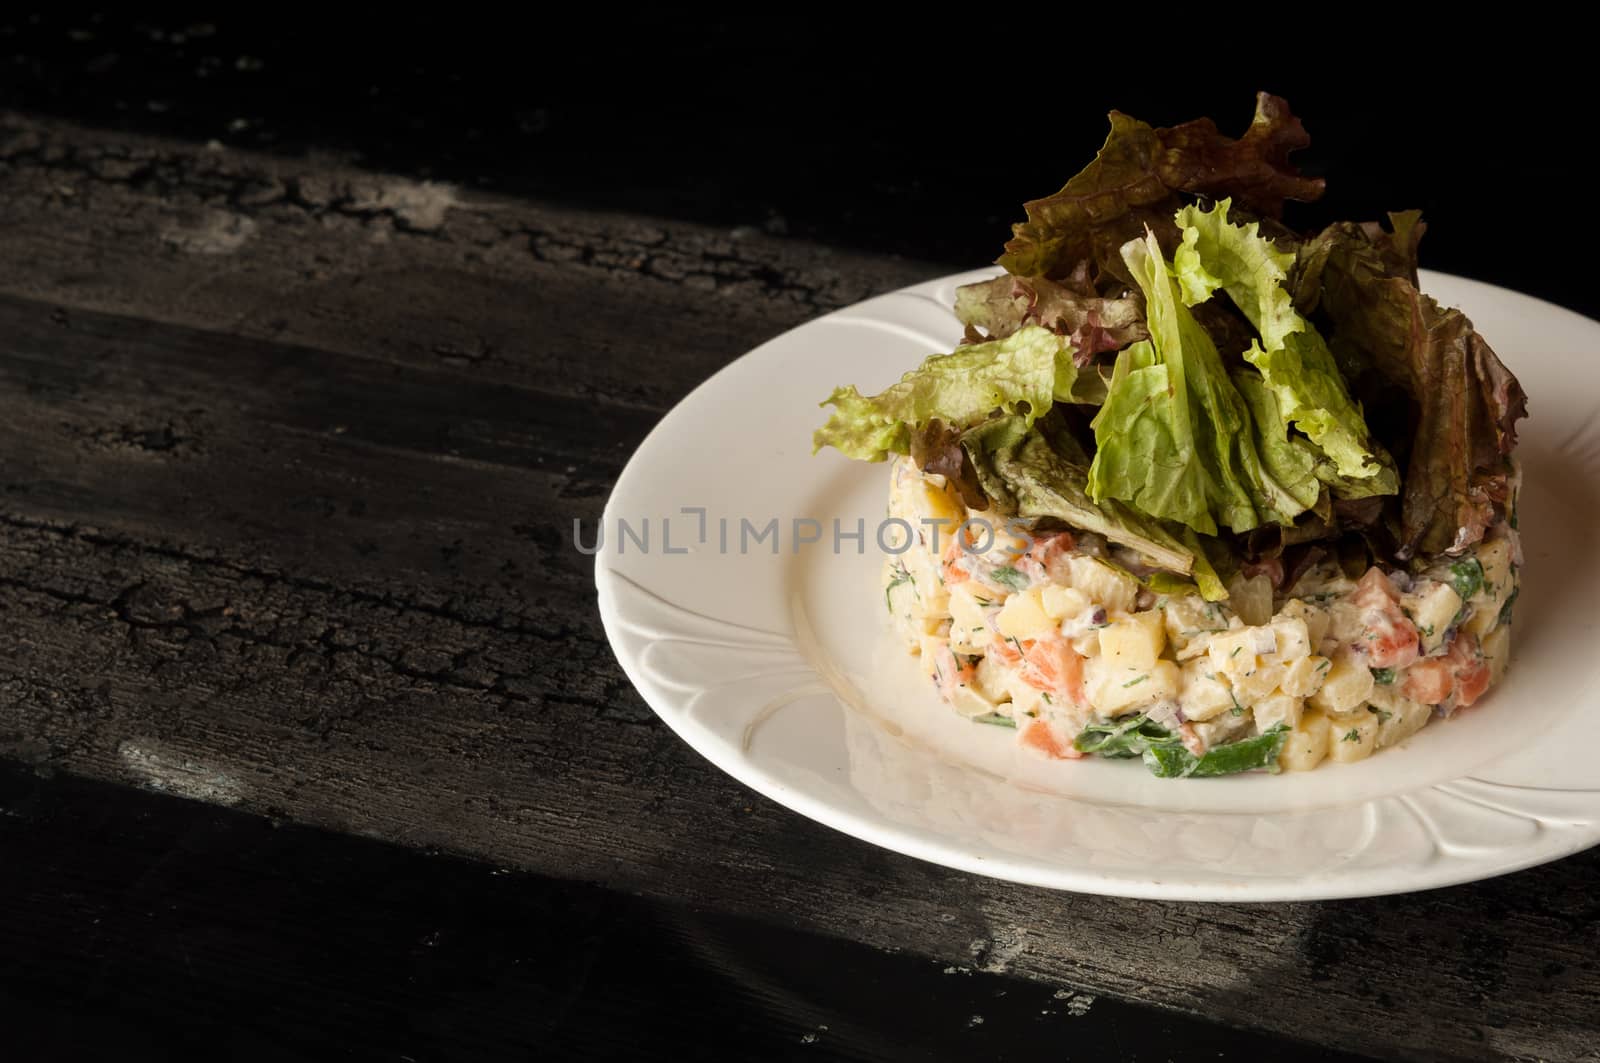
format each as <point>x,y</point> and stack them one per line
<point>290,454</point>
<point>140,927</point>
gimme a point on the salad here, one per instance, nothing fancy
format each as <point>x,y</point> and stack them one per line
<point>1198,488</point>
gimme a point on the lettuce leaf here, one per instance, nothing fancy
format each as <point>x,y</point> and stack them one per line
<point>1464,402</point>
<point>1175,438</point>
<point>936,448</point>
<point>1021,374</point>
<point>1288,460</point>
<point>1134,182</point>
<point>1145,447</point>
<point>1030,478</point>
<point>1164,754</point>
<point>1294,361</point>
<point>1092,324</point>
<point>1393,251</point>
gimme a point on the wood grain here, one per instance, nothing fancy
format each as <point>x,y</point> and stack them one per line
<point>171,929</point>
<point>290,456</point>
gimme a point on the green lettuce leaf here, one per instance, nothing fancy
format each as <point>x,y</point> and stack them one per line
<point>1032,475</point>
<point>1032,479</point>
<point>1206,577</point>
<point>1131,736</point>
<point>1464,403</point>
<point>1134,183</point>
<point>1294,361</point>
<point>1175,438</point>
<point>1257,753</point>
<point>1146,452</point>
<point>1164,754</point>
<point>1021,374</point>
<point>1289,461</point>
<point>1090,323</point>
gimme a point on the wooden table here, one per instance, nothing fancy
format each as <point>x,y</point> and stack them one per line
<point>291,453</point>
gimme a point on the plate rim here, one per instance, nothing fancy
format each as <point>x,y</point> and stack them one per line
<point>900,838</point>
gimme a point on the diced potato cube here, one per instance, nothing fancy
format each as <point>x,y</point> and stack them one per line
<point>967,700</point>
<point>1352,736</point>
<point>1026,700</point>
<point>1064,603</point>
<point>1325,577</point>
<point>1259,683</point>
<point>1087,644</point>
<point>1114,691</point>
<point>1306,745</point>
<point>1221,729</point>
<point>969,631</point>
<point>916,498</point>
<point>961,642</point>
<point>1495,557</point>
<point>1292,638</point>
<point>1303,676</point>
<point>1202,693</point>
<point>1238,651</point>
<point>1005,551</point>
<point>1398,716</point>
<point>921,499</point>
<point>1345,621</point>
<point>966,608</point>
<point>969,643</point>
<point>1023,616</point>
<point>1315,619</point>
<point>896,537</point>
<point>1497,653</point>
<point>1347,685</point>
<point>1190,619</point>
<point>1499,582</point>
<point>1433,608</point>
<point>1134,642</point>
<point>1251,598</point>
<point>992,679</point>
<point>1480,621</point>
<point>1275,709</point>
<point>924,571</point>
<point>915,628</point>
<point>1102,583</point>
<point>900,598</point>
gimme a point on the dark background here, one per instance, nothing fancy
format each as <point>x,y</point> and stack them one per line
<point>913,134</point>
<point>151,928</point>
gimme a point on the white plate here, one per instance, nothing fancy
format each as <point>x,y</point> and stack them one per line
<point>776,667</point>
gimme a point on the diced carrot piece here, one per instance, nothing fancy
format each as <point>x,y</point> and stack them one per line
<point>1005,653</point>
<point>1041,736</point>
<point>1043,552</point>
<point>952,572</point>
<point>1394,643</point>
<point>1429,681</point>
<point>1471,671</point>
<point>1374,589</point>
<point>952,672</point>
<point>1391,638</point>
<point>1052,665</point>
<point>1471,683</point>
